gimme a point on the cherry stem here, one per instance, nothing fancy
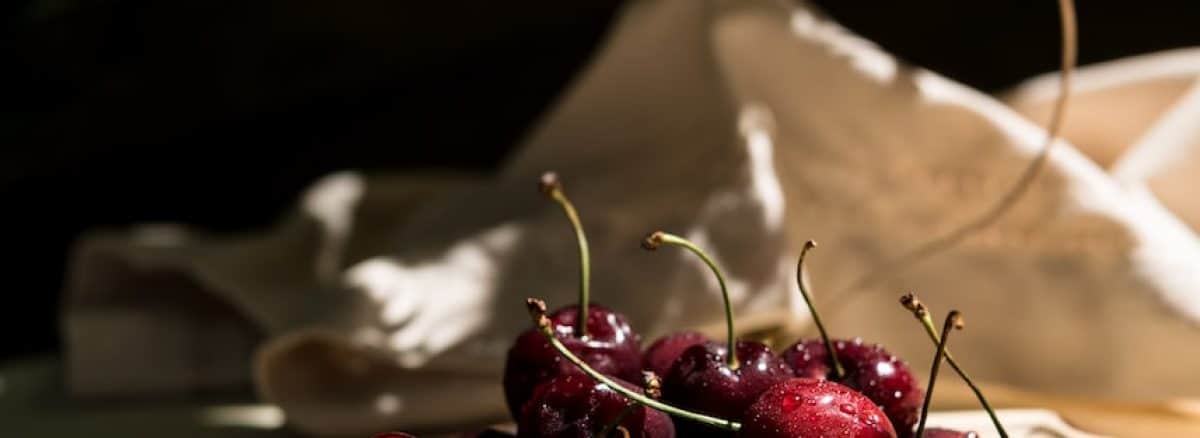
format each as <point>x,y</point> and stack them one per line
<point>657,238</point>
<point>651,386</point>
<point>552,187</point>
<point>921,312</point>
<point>838,371</point>
<point>537,310</point>
<point>953,321</point>
<point>1067,60</point>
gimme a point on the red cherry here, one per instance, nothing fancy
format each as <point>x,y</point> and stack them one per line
<point>575,405</point>
<point>393,435</point>
<point>871,370</point>
<point>701,380</point>
<point>663,352</point>
<point>802,407</point>
<point>610,347</point>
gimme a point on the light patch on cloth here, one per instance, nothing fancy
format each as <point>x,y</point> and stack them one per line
<point>463,278</point>
<point>331,203</point>
<point>755,123</point>
<point>864,55</point>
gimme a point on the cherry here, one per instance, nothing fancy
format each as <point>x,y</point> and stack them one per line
<point>869,369</point>
<point>703,380</point>
<point>575,405</point>
<point>663,352</point>
<point>716,379</point>
<point>611,347</point>
<point>602,337</point>
<point>803,407</point>
<point>393,435</point>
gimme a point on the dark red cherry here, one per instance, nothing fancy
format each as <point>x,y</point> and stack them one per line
<point>610,347</point>
<point>702,381</point>
<point>663,352</point>
<point>803,407</point>
<point>947,433</point>
<point>576,406</point>
<point>393,435</point>
<point>871,370</point>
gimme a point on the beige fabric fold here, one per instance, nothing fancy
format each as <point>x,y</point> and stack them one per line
<point>747,126</point>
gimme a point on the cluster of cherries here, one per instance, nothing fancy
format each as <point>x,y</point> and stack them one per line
<point>571,375</point>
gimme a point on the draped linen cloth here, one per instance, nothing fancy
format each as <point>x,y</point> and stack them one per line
<point>389,301</point>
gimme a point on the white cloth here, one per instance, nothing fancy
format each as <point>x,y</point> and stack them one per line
<point>749,127</point>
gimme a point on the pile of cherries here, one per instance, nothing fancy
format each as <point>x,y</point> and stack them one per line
<point>573,374</point>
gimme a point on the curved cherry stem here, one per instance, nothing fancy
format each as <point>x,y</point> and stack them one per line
<point>838,371</point>
<point>552,187</point>
<point>657,238</point>
<point>953,321</point>
<point>1020,187</point>
<point>921,312</point>
<point>537,310</point>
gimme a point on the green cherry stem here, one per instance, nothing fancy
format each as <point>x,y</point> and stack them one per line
<point>838,371</point>
<point>552,187</point>
<point>953,321</point>
<point>657,238</point>
<point>921,312</point>
<point>537,311</point>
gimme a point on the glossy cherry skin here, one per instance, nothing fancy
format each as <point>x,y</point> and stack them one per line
<point>947,433</point>
<point>611,347</point>
<point>701,381</point>
<point>576,406</point>
<point>871,370</point>
<point>803,407</point>
<point>663,352</point>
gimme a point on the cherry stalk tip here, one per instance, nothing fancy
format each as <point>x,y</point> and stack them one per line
<point>653,241</point>
<point>549,183</point>
<point>652,384</point>
<point>955,319</point>
<point>914,305</point>
<point>536,307</point>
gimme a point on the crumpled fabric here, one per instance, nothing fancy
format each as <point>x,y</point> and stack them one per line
<point>748,127</point>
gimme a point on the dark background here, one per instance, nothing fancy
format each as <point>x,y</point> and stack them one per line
<point>217,113</point>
